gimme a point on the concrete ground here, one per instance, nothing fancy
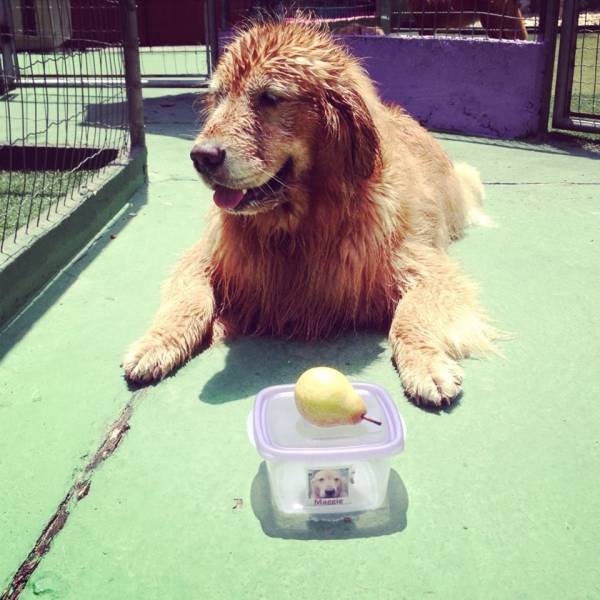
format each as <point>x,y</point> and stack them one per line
<point>497,498</point>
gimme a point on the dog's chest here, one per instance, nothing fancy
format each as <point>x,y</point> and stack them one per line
<point>304,291</point>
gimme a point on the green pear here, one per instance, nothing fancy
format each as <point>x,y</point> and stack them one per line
<point>325,398</point>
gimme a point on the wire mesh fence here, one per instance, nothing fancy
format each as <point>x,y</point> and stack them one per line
<point>173,41</point>
<point>585,91</point>
<point>175,62</point>
<point>63,107</point>
<point>498,19</point>
<point>577,95</point>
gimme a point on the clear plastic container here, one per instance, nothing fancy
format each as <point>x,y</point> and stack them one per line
<point>326,470</point>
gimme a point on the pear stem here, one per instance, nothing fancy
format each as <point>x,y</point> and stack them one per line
<point>365,418</point>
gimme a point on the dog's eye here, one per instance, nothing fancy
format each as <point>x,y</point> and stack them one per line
<point>269,99</point>
<point>321,479</point>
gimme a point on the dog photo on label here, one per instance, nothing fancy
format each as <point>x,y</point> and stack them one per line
<point>328,483</point>
<point>332,212</point>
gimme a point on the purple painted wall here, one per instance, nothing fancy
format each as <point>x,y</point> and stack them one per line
<point>473,86</point>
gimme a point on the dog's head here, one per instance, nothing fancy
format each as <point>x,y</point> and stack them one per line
<point>286,116</point>
<point>327,484</point>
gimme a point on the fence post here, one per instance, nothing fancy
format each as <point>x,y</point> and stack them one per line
<point>133,73</point>
<point>565,65</point>
<point>224,13</point>
<point>212,37</point>
<point>384,15</point>
<point>8,69</point>
<point>549,26</point>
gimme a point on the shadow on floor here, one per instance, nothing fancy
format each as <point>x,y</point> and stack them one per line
<point>175,115</point>
<point>387,520</point>
<point>551,143</point>
<point>251,362</point>
<point>49,295</point>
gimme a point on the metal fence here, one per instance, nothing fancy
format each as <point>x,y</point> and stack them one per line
<point>499,19</point>
<point>173,47</point>
<point>174,66</point>
<point>577,104</point>
<point>64,111</point>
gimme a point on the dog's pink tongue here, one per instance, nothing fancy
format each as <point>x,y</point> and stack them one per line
<point>226,197</point>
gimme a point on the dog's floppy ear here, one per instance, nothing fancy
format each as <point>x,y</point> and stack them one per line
<point>351,133</point>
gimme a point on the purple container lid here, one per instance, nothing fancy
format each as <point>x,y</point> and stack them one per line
<point>282,435</point>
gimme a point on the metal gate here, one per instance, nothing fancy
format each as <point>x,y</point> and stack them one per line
<point>174,48</point>
<point>577,99</point>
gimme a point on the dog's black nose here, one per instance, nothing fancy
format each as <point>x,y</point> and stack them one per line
<point>207,157</point>
<point>329,493</point>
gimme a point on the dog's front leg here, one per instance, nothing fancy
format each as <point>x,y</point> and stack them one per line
<point>437,321</point>
<point>183,323</point>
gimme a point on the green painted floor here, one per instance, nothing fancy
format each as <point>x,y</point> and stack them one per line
<point>498,498</point>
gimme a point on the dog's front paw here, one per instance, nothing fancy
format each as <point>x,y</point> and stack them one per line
<point>151,359</point>
<point>431,380</point>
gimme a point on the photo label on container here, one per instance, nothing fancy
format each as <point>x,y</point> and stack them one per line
<point>329,485</point>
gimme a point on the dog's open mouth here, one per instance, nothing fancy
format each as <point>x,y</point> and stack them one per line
<point>267,193</point>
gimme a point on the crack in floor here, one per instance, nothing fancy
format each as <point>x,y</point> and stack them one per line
<point>77,492</point>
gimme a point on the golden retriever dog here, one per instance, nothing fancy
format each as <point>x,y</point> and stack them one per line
<point>501,19</point>
<point>328,484</point>
<point>333,211</point>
